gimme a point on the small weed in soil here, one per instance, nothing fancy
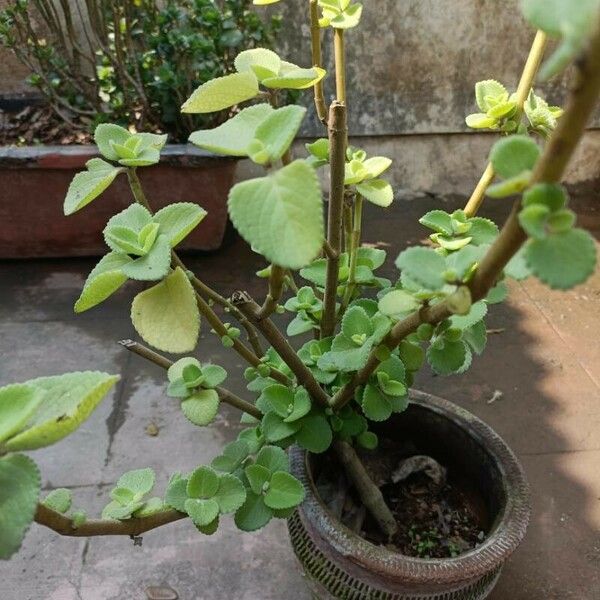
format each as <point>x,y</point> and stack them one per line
<point>432,523</point>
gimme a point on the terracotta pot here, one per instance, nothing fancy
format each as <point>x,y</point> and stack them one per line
<point>34,181</point>
<point>340,564</point>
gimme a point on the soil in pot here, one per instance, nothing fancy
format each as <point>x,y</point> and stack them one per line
<point>439,514</point>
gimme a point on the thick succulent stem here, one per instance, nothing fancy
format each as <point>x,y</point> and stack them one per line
<point>317,60</point>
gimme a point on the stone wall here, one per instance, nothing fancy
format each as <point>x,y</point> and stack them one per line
<point>412,69</point>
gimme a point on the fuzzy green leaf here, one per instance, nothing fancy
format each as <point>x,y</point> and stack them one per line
<point>475,314</point>
<point>258,478</point>
<point>315,434</point>
<point>18,402</point>
<point>234,136</point>
<point>151,507</point>
<point>176,493</point>
<point>292,77</point>
<point>202,511</point>
<point>513,155</point>
<point>376,191</point>
<point>69,400</point>
<point>285,491</point>
<point>19,492</point>
<point>398,302</point>
<point>203,483</point>
<point>423,265</point>
<point>231,494</point>
<point>276,429</point>
<point>221,93</point>
<point>454,357</point>
<point>439,221</point>
<point>88,185</point>
<point>281,215</point>
<point>176,221</point>
<point>166,315</point>
<point>375,404</point>
<point>59,500</point>
<point>260,61</point>
<point>201,407</point>
<point>140,481</point>
<point>273,458</point>
<point>106,136</point>
<point>254,513</point>
<point>233,456</point>
<point>154,265</point>
<point>562,260</point>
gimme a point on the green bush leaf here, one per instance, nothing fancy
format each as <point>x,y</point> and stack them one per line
<point>106,136</point>
<point>276,429</point>
<point>88,185</point>
<point>231,494</point>
<point>258,478</point>
<point>562,260</point>
<point>139,481</point>
<point>234,454</point>
<point>281,215</point>
<point>368,440</point>
<point>513,155</point>
<point>454,357</point>
<point>482,231</point>
<point>253,514</point>
<point>152,266</point>
<point>476,337</point>
<point>18,402</point>
<point>103,281</point>
<point>176,493</point>
<point>273,458</point>
<point>488,93</point>
<point>285,491</point>
<point>260,61</point>
<point>59,500</point>
<point>176,221</point>
<point>221,93</point>
<point>292,77</point>
<point>315,434</point>
<point>151,507</point>
<point>475,314</point>
<point>202,511</point>
<point>439,221</point>
<point>19,492</point>
<point>234,136</point>
<point>201,407</point>
<point>398,302</point>
<point>423,265</point>
<point>274,135</point>
<point>375,404</point>
<point>551,195</point>
<point>203,483</point>
<point>376,191</point>
<point>166,315</point>
<point>69,400</point>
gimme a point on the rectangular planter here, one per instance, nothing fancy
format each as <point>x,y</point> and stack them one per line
<point>34,181</point>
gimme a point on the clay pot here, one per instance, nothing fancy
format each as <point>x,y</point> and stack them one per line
<point>340,564</point>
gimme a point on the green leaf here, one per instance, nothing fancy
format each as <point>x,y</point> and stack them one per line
<point>234,136</point>
<point>279,397</point>
<point>258,478</point>
<point>316,272</point>
<point>281,215</point>
<point>214,375</point>
<point>368,440</point>
<point>58,500</point>
<point>203,483</point>
<point>411,355</point>
<point>398,302</point>
<point>452,358</point>
<point>231,494</point>
<point>88,185</point>
<point>292,77</point>
<point>315,434</point>
<point>562,260</point>
<point>254,513</point>
<point>513,155</point>
<point>233,456</point>
<point>116,511</point>
<point>375,404</point>
<point>487,94</point>
<point>176,221</point>
<point>201,407</point>
<point>481,121</point>
<point>376,191</point>
<point>482,231</point>
<point>18,402</point>
<point>300,407</point>
<point>551,195</point>
<point>439,221</point>
<point>68,400</point>
<point>273,459</point>
<point>376,165</point>
<point>19,492</point>
<point>533,220</point>
<point>103,281</point>
<point>356,322</point>
<point>151,507</point>
<point>176,493</point>
<point>476,337</point>
<point>475,314</point>
<point>510,187</point>
<point>202,511</point>
<point>285,491</point>
<point>152,266</point>
<point>276,429</point>
<point>221,93</point>
<point>140,481</point>
<point>423,265</point>
<point>260,61</point>
<point>274,135</point>
<point>107,135</point>
<point>166,315</point>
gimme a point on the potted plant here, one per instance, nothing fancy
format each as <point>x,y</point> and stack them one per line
<point>370,461</point>
<point>137,75</point>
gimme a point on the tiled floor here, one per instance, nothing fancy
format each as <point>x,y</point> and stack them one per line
<point>545,361</point>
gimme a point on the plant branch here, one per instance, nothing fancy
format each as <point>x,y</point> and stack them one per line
<point>276,281</point>
<point>163,362</point>
<point>354,245</point>
<point>338,132</point>
<point>370,495</point>
<point>251,309</point>
<point>317,60</point>
<point>339,48</point>
<point>550,169</point>
<point>132,527</point>
<point>532,66</point>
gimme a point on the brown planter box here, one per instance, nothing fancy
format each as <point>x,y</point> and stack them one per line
<point>34,182</point>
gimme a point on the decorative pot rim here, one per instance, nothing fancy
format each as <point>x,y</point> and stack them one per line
<point>74,156</point>
<point>509,527</point>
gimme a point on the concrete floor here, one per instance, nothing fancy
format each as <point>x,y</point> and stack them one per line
<point>546,363</point>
